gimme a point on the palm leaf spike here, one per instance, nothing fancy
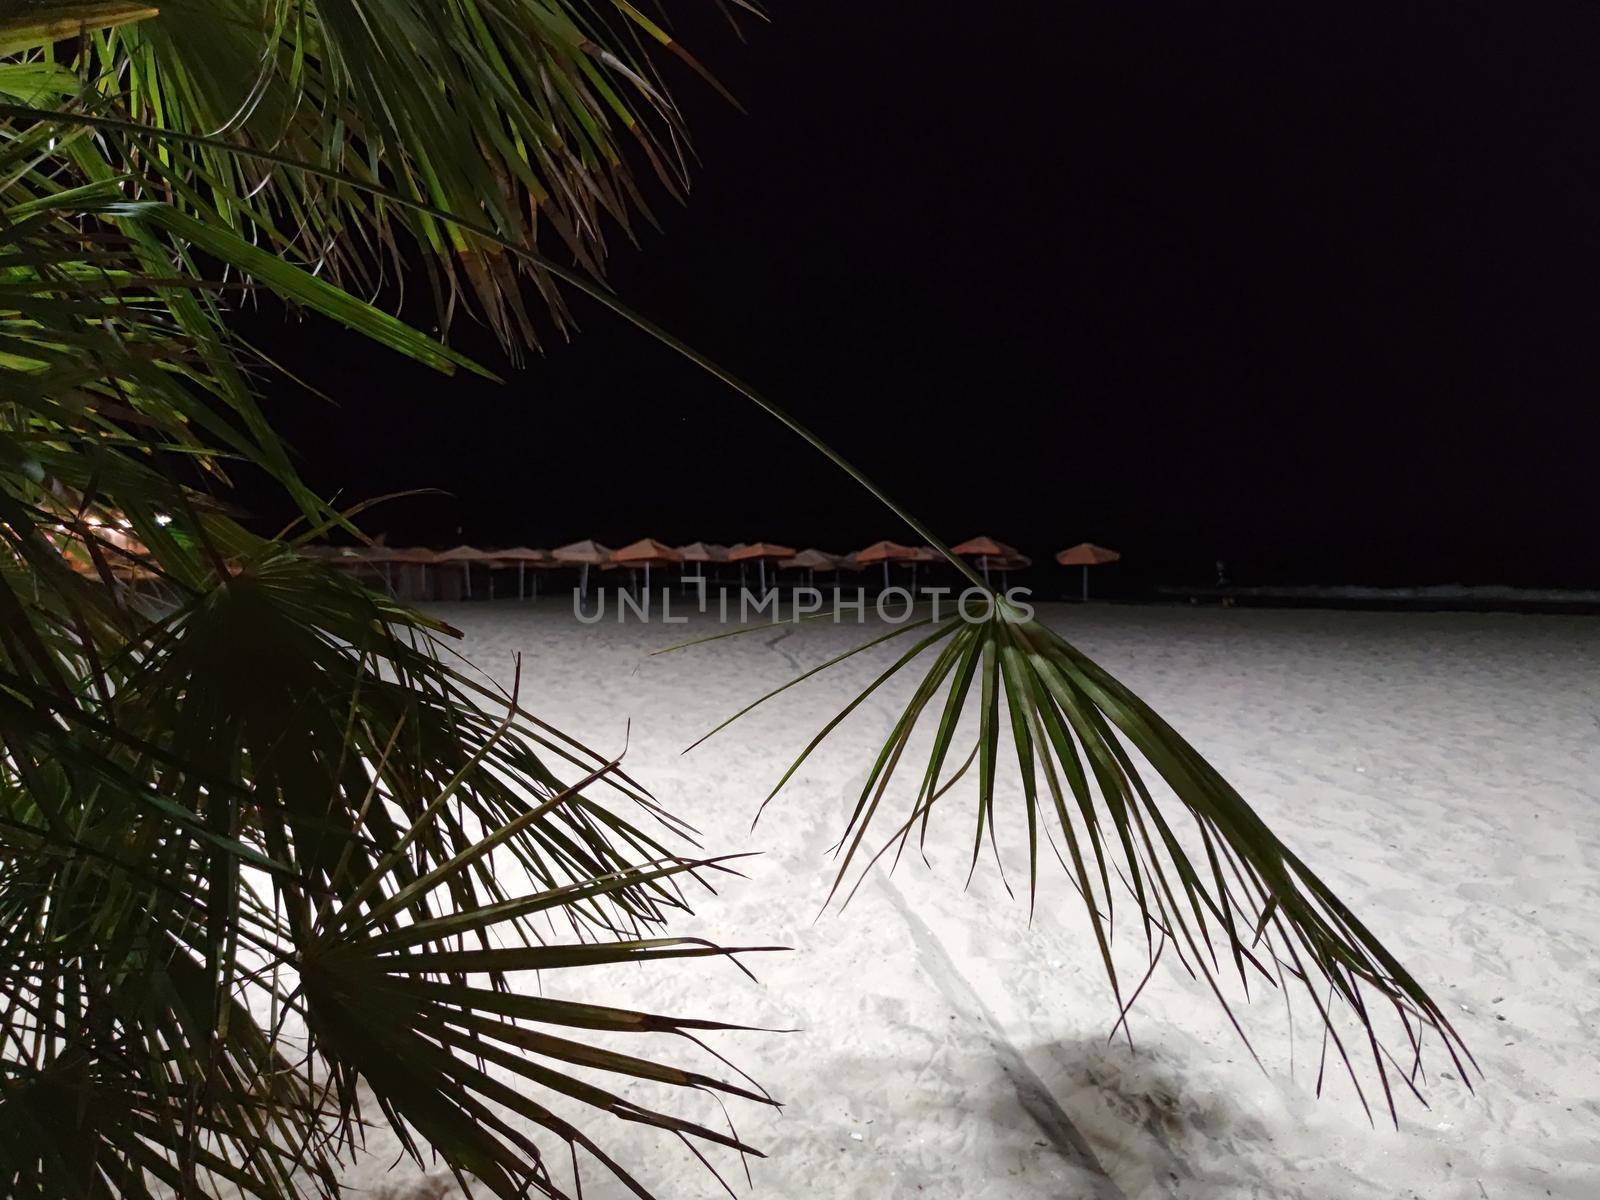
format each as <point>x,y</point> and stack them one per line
<point>429,1019</point>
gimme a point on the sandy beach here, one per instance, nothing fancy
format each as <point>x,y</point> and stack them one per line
<point>1438,770</point>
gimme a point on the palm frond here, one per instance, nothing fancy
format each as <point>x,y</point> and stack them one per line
<point>1142,816</point>
<point>282,807</point>
<point>209,743</point>
<point>526,115</point>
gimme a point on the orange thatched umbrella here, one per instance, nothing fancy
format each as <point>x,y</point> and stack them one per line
<point>1086,555</point>
<point>703,553</point>
<point>466,556</point>
<point>524,557</point>
<point>926,556</point>
<point>886,553</point>
<point>644,552</point>
<point>761,553</point>
<point>811,561</point>
<point>730,551</point>
<point>991,553</point>
<point>414,555</point>
<point>584,554</point>
<point>1011,562</point>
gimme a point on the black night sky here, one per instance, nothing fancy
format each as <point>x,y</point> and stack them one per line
<point>1307,287</point>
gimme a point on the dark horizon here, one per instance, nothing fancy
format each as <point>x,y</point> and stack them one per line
<point>1307,291</point>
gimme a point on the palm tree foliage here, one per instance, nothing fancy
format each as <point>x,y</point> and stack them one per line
<point>518,113</point>
<point>268,861</point>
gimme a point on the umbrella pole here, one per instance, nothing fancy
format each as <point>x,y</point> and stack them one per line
<point>886,574</point>
<point>536,587</point>
<point>522,580</point>
<point>583,581</point>
<point>647,586</point>
<point>985,570</point>
<point>762,567</point>
<point>466,576</point>
<point>1086,585</point>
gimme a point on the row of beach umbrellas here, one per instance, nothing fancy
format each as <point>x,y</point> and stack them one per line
<point>988,555</point>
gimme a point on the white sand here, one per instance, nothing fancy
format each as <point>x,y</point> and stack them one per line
<point>1440,772</point>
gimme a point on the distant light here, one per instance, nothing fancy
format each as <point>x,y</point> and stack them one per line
<point>163,519</point>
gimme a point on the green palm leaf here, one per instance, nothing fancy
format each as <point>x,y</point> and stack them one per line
<point>212,747</point>
<point>1218,887</point>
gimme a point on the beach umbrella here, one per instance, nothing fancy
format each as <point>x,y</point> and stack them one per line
<point>1086,555</point>
<point>388,556</point>
<point>761,553</point>
<point>415,556</point>
<point>886,553</point>
<point>922,555</point>
<point>1011,562</point>
<point>523,557</point>
<point>584,554</point>
<point>811,561</point>
<point>703,553</point>
<point>989,553</point>
<point>466,556</point>
<point>644,552</point>
<point>352,558</point>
